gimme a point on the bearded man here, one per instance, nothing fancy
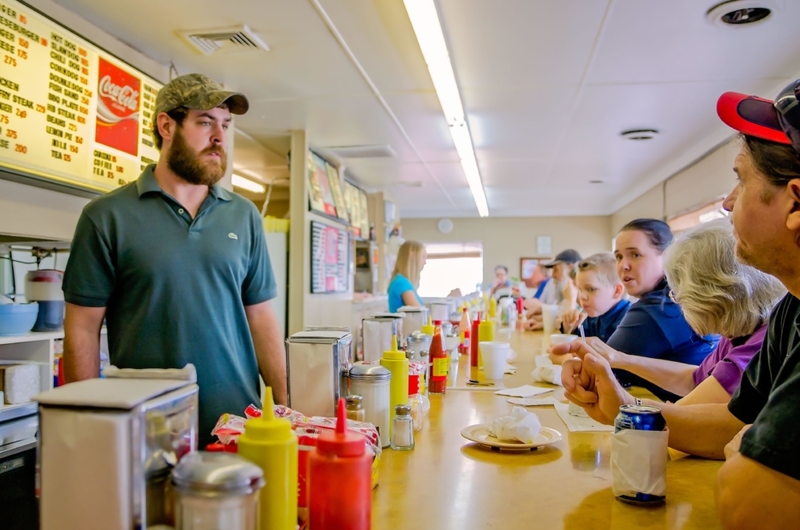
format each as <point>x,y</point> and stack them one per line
<point>178,266</point>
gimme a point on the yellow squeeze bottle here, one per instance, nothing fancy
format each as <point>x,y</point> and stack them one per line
<point>397,363</point>
<point>270,443</point>
<point>486,332</point>
<point>492,308</point>
<point>428,328</point>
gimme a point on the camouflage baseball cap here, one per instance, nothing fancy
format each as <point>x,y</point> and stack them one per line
<point>198,92</point>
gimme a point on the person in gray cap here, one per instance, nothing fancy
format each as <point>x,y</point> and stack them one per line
<point>557,289</point>
<point>178,266</point>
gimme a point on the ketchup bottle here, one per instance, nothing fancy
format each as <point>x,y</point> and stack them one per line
<point>340,479</point>
<point>439,361</point>
<point>474,336</point>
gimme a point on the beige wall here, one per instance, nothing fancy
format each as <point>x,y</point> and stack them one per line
<point>707,180</point>
<point>507,239</point>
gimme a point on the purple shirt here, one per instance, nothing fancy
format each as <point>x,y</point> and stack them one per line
<point>728,362</point>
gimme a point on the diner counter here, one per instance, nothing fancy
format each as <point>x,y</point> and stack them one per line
<point>448,482</point>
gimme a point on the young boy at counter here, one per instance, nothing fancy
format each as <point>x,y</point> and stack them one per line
<point>601,296</point>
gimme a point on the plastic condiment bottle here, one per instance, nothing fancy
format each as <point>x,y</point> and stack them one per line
<point>439,361</point>
<point>427,329</point>
<point>270,443</point>
<point>492,308</point>
<point>463,328</point>
<point>487,330</point>
<point>474,338</point>
<point>340,479</point>
<point>395,361</point>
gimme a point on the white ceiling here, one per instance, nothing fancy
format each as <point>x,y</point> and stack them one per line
<point>547,87</point>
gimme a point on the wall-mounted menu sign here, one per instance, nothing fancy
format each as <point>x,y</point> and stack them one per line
<point>330,259</point>
<point>70,112</point>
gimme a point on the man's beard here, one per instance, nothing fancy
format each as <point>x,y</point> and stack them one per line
<point>182,161</point>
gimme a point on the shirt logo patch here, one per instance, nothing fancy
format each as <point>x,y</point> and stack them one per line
<point>232,235</point>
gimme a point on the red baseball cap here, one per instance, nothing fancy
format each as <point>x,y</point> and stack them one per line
<point>775,121</point>
<point>751,115</point>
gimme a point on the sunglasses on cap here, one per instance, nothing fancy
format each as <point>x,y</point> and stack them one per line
<point>788,106</point>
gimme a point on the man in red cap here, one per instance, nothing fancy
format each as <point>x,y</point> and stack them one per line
<point>759,485</point>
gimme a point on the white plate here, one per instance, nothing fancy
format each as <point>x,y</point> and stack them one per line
<point>480,434</point>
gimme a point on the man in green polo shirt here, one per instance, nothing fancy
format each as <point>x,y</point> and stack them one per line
<point>178,266</point>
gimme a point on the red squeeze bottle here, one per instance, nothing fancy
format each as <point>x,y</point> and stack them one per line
<point>340,479</point>
<point>474,339</point>
<point>439,361</point>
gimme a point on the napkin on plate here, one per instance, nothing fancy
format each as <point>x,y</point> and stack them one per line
<point>547,374</point>
<point>521,426</point>
<point>523,391</point>
<point>532,401</point>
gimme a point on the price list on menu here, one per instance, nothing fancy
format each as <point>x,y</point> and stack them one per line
<point>70,112</point>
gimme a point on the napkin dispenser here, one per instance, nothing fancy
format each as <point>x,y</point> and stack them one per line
<point>317,363</point>
<point>441,310</point>
<point>377,333</point>
<point>106,449</point>
<point>415,318</point>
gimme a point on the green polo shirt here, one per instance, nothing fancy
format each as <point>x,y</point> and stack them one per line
<point>175,288</point>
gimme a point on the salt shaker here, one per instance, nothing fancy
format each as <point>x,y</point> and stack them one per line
<point>403,431</point>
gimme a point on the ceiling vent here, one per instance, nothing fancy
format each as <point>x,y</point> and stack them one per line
<point>234,39</point>
<point>639,134</point>
<point>739,13</point>
<point>362,151</point>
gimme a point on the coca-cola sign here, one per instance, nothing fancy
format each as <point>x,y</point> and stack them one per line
<point>125,96</point>
<point>118,108</point>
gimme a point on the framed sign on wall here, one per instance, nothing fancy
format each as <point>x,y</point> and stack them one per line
<point>532,271</point>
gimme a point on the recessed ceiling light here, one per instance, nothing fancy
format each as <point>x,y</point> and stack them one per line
<point>596,181</point>
<point>639,134</point>
<point>739,13</point>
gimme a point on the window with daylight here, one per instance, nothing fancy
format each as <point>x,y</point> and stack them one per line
<point>679,223</point>
<point>451,266</point>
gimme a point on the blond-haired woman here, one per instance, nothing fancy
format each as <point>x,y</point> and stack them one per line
<point>411,259</point>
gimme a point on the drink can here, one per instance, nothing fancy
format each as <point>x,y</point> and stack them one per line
<point>640,418</point>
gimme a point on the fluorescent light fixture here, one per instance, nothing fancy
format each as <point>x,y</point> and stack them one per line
<point>247,184</point>
<point>425,21</point>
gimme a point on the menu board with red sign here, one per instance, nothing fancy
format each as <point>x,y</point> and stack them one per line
<point>69,111</point>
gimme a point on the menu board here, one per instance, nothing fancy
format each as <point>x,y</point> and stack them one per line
<point>336,189</point>
<point>320,197</point>
<point>330,259</point>
<point>69,111</point>
<point>356,201</point>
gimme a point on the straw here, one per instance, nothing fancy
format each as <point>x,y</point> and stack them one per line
<point>583,335</point>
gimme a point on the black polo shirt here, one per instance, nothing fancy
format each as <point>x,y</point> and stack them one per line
<point>175,288</point>
<point>769,394</point>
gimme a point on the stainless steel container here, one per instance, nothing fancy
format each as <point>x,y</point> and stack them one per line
<point>417,343</point>
<point>371,381</point>
<point>416,317</point>
<point>215,491</point>
<point>317,362</point>
<point>107,447</point>
<point>377,333</point>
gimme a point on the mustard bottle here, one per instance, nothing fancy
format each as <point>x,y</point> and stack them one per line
<point>270,443</point>
<point>486,332</point>
<point>428,328</point>
<point>397,363</point>
<point>492,308</point>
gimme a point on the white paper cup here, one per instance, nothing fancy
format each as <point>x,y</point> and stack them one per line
<point>549,314</point>
<point>495,356</point>
<point>558,338</point>
<point>504,334</point>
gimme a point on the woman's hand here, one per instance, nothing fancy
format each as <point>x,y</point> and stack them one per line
<point>591,345</point>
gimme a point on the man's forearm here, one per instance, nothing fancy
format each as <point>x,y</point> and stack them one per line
<point>81,347</point>
<point>701,430</point>
<point>270,349</point>
<point>677,378</point>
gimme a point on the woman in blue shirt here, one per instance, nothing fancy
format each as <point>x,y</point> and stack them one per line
<point>411,259</point>
<point>654,326</point>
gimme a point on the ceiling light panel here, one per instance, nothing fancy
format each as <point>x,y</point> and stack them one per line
<point>428,29</point>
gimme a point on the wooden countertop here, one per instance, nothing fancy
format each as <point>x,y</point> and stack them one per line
<point>447,482</point>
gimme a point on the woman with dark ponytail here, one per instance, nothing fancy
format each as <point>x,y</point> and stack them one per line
<point>654,326</point>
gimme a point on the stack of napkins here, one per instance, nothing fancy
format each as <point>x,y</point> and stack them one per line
<point>524,391</point>
<point>520,426</point>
